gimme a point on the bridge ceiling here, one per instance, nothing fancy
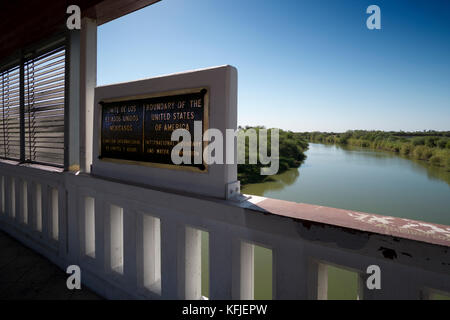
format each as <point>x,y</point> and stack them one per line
<point>25,22</point>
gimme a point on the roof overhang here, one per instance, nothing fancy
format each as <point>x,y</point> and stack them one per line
<point>26,22</point>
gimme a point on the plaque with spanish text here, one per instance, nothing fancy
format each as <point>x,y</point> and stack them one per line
<point>139,129</point>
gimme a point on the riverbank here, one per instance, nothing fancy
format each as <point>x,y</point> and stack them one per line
<point>431,147</point>
<point>291,155</point>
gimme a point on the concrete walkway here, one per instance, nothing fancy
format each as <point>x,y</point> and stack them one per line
<point>25,274</point>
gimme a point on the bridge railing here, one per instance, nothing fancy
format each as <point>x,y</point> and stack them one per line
<point>132,241</point>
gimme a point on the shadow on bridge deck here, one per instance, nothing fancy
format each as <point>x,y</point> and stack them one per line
<point>25,274</point>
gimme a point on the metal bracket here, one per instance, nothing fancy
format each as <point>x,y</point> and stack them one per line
<point>233,190</point>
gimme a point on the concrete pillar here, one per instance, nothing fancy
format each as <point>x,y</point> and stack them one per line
<point>73,97</point>
<point>82,79</point>
<point>88,77</point>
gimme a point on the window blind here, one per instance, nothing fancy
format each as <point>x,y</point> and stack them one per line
<point>44,91</point>
<point>32,99</point>
<point>10,114</point>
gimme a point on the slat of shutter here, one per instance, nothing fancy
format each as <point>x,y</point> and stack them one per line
<point>54,84</point>
<point>48,92</point>
<point>47,76</point>
<point>54,63</point>
<point>38,85</point>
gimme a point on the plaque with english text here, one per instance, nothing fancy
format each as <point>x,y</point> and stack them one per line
<point>138,129</point>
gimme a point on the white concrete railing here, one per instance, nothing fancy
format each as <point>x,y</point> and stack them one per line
<point>135,242</point>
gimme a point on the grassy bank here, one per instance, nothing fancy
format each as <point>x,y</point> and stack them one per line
<point>292,148</point>
<point>430,146</point>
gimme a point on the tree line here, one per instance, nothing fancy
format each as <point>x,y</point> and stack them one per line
<point>430,146</point>
<point>291,155</point>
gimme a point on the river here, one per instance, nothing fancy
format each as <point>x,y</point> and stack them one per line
<point>364,180</point>
<point>356,179</point>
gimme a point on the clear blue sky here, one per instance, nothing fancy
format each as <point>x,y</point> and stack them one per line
<point>303,65</point>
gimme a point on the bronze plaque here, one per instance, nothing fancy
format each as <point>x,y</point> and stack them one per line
<point>139,129</point>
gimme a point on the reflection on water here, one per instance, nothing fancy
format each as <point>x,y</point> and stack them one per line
<point>280,181</point>
<point>432,172</point>
<point>364,180</point>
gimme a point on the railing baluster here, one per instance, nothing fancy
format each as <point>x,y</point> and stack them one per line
<point>149,252</point>
<point>54,213</point>
<point>12,199</point>
<point>115,238</point>
<point>2,197</point>
<point>172,263</point>
<point>46,211</point>
<point>101,211</point>
<point>247,277</point>
<point>193,260</point>
<point>222,258</point>
<point>291,273</point>
<point>24,202</point>
<point>38,207</point>
<point>129,247</point>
